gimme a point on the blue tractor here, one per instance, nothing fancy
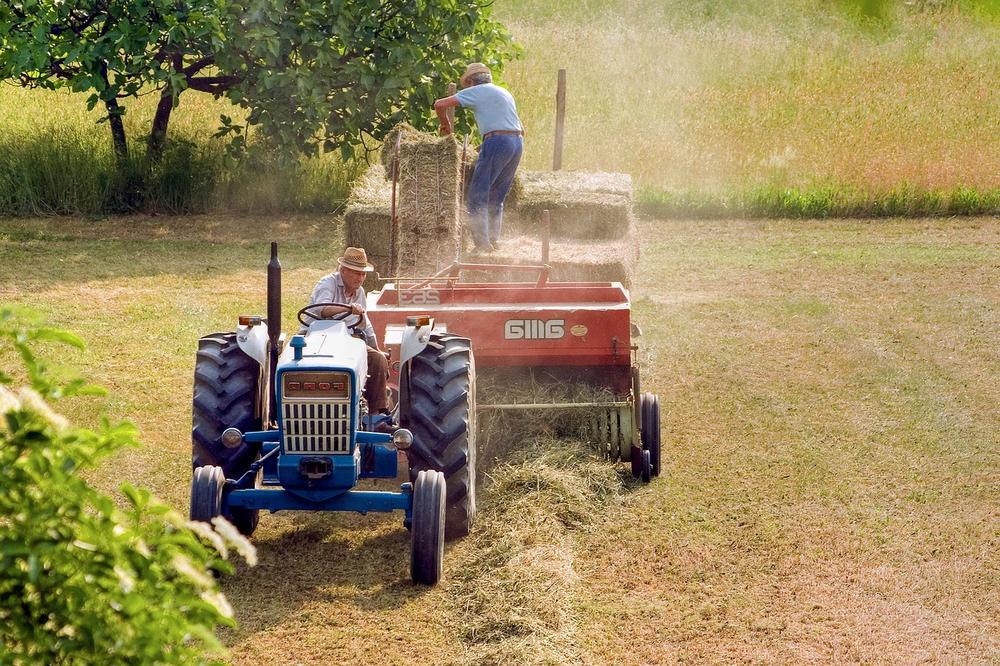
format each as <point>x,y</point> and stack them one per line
<point>282,427</point>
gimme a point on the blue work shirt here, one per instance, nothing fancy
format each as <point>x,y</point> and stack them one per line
<point>493,107</point>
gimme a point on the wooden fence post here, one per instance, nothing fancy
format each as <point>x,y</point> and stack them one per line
<point>560,120</point>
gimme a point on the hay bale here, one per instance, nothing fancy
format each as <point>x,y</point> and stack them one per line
<point>428,205</point>
<point>614,260</point>
<point>581,204</point>
<point>368,216</point>
<point>556,183</point>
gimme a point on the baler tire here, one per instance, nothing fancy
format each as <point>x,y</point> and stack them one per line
<point>427,534</point>
<point>226,389</point>
<point>438,405</point>
<point>649,428</point>
<point>647,468</point>
<point>206,493</point>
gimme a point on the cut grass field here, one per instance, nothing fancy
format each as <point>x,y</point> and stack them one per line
<point>771,108</point>
<point>832,456</point>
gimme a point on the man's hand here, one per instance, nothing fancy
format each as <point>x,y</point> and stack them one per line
<point>357,309</point>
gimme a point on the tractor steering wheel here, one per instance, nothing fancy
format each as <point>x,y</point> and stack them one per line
<point>337,317</point>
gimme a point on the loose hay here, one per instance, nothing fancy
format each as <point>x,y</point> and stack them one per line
<point>515,589</point>
<point>501,432</point>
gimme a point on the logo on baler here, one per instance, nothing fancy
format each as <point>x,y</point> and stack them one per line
<point>419,297</point>
<point>534,329</point>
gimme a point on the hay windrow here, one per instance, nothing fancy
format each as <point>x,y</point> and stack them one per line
<point>515,590</point>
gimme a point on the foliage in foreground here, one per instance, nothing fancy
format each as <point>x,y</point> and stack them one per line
<point>81,579</point>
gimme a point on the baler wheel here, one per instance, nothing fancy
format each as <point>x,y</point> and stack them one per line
<point>427,534</point>
<point>649,428</point>
<point>438,405</point>
<point>647,467</point>
<point>206,493</point>
<point>226,386</point>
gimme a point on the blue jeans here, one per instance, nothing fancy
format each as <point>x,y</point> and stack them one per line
<point>498,159</point>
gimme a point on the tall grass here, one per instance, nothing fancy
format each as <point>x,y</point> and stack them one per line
<point>724,96</point>
<point>769,108</point>
<point>60,161</point>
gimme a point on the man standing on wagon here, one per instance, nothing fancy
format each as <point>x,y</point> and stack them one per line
<point>499,155</point>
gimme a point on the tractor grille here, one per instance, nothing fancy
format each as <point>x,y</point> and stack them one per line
<point>316,427</point>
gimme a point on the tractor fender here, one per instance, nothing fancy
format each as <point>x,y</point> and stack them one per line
<point>253,341</point>
<point>414,340</point>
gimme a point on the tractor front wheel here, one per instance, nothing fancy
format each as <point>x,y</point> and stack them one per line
<point>438,405</point>
<point>427,535</point>
<point>206,493</point>
<point>226,390</point>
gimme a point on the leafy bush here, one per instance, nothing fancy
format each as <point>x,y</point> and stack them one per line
<point>83,580</point>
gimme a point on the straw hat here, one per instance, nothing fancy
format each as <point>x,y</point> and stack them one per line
<point>356,259</point>
<point>473,68</point>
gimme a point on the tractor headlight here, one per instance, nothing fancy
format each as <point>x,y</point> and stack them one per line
<point>402,439</point>
<point>231,438</point>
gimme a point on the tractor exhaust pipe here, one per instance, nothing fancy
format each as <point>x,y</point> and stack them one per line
<point>273,322</point>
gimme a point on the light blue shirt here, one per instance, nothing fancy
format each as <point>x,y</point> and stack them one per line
<point>493,107</point>
<point>330,289</point>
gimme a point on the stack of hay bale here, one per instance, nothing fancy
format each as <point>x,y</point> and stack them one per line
<point>593,233</point>
<point>368,219</point>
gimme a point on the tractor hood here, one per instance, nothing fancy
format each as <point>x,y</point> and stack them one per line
<point>329,345</point>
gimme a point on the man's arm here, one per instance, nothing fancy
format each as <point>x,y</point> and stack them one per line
<point>441,107</point>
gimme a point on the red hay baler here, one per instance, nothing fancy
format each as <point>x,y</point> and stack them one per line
<point>580,330</point>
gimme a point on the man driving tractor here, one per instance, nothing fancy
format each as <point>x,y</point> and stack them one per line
<point>345,286</point>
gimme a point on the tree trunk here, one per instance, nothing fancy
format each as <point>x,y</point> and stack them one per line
<point>115,112</point>
<point>158,133</point>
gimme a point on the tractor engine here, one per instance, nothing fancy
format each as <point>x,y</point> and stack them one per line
<point>320,408</point>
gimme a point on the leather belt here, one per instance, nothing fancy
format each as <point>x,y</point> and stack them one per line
<point>513,132</point>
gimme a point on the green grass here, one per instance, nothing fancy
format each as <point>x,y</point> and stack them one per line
<point>799,109</point>
<point>830,429</point>
<point>819,202</point>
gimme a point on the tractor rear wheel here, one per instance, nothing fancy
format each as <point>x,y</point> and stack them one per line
<point>427,535</point>
<point>206,493</point>
<point>226,390</point>
<point>649,428</point>
<point>438,405</point>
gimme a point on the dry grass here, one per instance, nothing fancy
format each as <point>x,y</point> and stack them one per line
<point>690,96</point>
<point>831,437</point>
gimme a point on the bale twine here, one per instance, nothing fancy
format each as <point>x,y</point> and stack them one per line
<point>428,204</point>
